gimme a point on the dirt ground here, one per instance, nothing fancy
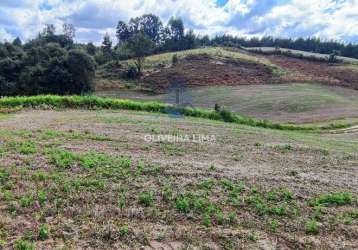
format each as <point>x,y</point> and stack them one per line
<point>202,70</point>
<point>257,160</point>
<point>302,70</point>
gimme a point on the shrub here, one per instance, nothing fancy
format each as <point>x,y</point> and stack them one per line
<point>132,71</point>
<point>175,59</point>
<point>146,198</point>
<point>311,226</point>
<point>43,232</point>
<point>338,199</point>
<point>182,204</point>
<point>23,245</point>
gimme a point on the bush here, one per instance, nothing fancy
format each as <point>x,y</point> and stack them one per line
<point>175,59</point>
<point>132,71</point>
<point>91,102</point>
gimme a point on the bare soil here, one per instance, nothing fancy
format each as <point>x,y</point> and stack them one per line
<point>301,70</point>
<point>90,217</point>
<point>203,70</point>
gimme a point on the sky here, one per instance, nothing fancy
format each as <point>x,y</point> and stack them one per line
<point>327,19</point>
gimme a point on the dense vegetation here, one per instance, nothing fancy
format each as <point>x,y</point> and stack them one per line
<point>311,44</point>
<point>50,63</point>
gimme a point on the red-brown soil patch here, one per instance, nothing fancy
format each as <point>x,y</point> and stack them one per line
<point>202,70</point>
<point>306,71</point>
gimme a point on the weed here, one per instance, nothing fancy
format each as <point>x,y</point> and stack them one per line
<point>278,210</point>
<point>232,218</point>
<point>167,193</point>
<point>27,147</point>
<point>206,220</point>
<point>212,167</point>
<point>219,217</point>
<point>23,245</point>
<point>42,197</point>
<point>311,226</point>
<point>274,225</point>
<point>252,237</point>
<point>39,176</point>
<point>62,158</point>
<point>146,198</point>
<point>44,232</point>
<point>339,199</point>
<point>4,176</point>
<point>207,184</point>
<point>122,200</point>
<point>94,159</point>
<point>26,201</point>
<point>284,147</point>
<point>123,230</point>
<point>182,204</point>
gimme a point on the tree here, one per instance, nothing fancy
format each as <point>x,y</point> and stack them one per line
<point>49,30</point>
<point>149,24</point>
<point>139,46</point>
<point>69,30</point>
<point>91,49</point>
<point>122,32</point>
<point>17,42</point>
<point>107,47</point>
<point>82,67</point>
<point>176,27</point>
<point>190,40</point>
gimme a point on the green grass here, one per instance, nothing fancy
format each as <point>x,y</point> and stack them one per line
<point>296,102</point>
<point>338,199</point>
<point>92,102</point>
<point>312,227</point>
<point>218,52</point>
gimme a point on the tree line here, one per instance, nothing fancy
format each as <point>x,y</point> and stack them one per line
<point>49,64</point>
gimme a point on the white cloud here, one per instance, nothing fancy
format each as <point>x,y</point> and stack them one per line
<point>5,36</point>
<point>327,19</point>
<point>336,19</point>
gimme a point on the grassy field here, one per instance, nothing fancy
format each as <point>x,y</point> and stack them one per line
<point>299,103</point>
<point>304,53</point>
<point>91,179</point>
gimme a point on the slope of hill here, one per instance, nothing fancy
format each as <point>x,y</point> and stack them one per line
<point>262,86</point>
<point>103,179</point>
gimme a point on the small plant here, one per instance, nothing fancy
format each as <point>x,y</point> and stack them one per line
<point>212,167</point>
<point>182,204</point>
<point>26,201</point>
<point>274,225</point>
<point>27,147</point>
<point>146,198</point>
<point>219,217</point>
<point>62,158</point>
<point>42,198</point>
<point>232,218</point>
<point>23,245</point>
<point>206,220</point>
<point>123,230</point>
<point>175,59</point>
<point>311,226</point>
<point>253,237</point>
<point>167,193</point>
<point>207,184</point>
<point>122,201</point>
<point>339,199</point>
<point>44,232</point>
